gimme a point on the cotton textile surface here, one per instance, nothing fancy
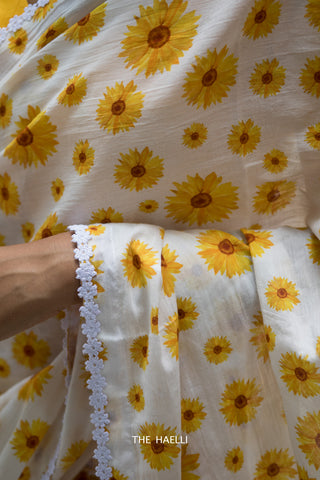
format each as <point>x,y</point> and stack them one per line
<point>159,117</point>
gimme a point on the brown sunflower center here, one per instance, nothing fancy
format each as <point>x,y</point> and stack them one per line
<point>188,415</point>
<point>181,313</point>
<point>260,16</point>
<point>2,110</point>
<point>158,36</point>
<point>138,171</point>
<point>50,33</point>
<point>106,220</point>
<point>46,232</point>
<point>226,247</point>
<point>57,190</point>
<point>317,440</point>
<point>137,397</point>
<point>82,157</point>
<point>32,441</point>
<point>317,76</point>
<point>1,368</point>
<point>118,107</point>
<point>157,447</point>
<point>282,293</point>
<point>5,193</point>
<point>266,78</point>
<point>194,136</point>
<point>136,261</point>
<point>249,237</point>
<point>217,349</point>
<point>201,200</point>
<point>144,351</point>
<point>154,320</point>
<point>70,89</point>
<point>301,374</point>
<point>244,137</point>
<point>29,350</point>
<point>241,401</point>
<point>275,161</point>
<point>163,262</point>
<point>273,195</point>
<point>209,77</point>
<point>48,67</point>
<point>18,42</point>
<point>267,338</point>
<point>84,20</point>
<point>317,136</point>
<point>25,138</point>
<point>235,459</point>
<point>273,470</point>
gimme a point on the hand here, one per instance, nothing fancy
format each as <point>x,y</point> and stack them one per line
<point>37,280</point>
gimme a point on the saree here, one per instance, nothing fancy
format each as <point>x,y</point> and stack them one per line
<point>179,142</point>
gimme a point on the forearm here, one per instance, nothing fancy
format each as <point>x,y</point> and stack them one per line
<point>36,281</point>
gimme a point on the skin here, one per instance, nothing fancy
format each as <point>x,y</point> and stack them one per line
<point>37,280</point>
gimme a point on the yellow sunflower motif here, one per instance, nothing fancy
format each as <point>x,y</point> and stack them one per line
<point>5,110</point>
<point>52,32</point>
<point>25,474</point>
<point>120,108</point>
<point>50,227</point>
<point>217,349</point>
<point>258,241</point>
<point>27,230</point>
<point>172,336</point>
<point>240,401</point>
<point>88,27</point>
<point>116,475</point>
<point>57,189</point>
<point>42,12</point>
<point>138,263</point>
<point>313,136</point>
<point>273,196</point>
<point>314,249</point>
<point>139,351</point>
<point>149,206</point>
<point>195,135</point>
<point>308,431</point>
<point>244,138</point>
<point>275,463</point>
<point>159,452</point>
<point>2,242</point>
<point>4,368</point>
<point>9,196</point>
<point>186,312</point>
<point>34,386</point>
<point>234,459</point>
<point>318,346</point>
<point>96,229</point>
<point>224,253</point>
<point>192,414</point>
<point>310,77</point>
<point>202,200</point>
<point>262,19</point>
<point>138,170</point>
<point>154,319</point>
<point>29,351</point>
<point>267,78</point>
<point>47,66</point>
<point>169,267</point>
<point>275,161</point>
<point>106,216</point>
<point>135,398</point>
<point>161,35</point>
<point>73,453</point>
<point>300,375</point>
<point>313,13</point>
<point>18,41</point>
<point>34,140</point>
<point>281,294</point>
<point>83,157</point>
<point>263,337</point>
<point>211,78</point>
<point>27,438</point>
<point>189,463</point>
<point>74,92</point>
<point>303,474</point>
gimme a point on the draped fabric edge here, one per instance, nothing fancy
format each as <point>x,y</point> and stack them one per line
<point>91,327</point>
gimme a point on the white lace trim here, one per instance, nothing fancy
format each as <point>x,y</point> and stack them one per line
<point>17,21</point>
<point>91,328</point>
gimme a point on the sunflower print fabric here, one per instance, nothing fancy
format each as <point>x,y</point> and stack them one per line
<point>185,136</point>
